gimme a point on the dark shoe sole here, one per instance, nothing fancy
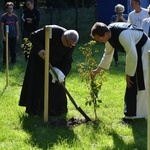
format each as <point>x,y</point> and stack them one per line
<point>127,121</point>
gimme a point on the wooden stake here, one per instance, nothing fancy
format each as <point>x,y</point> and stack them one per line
<point>7,67</point>
<point>46,79</point>
<point>148,115</point>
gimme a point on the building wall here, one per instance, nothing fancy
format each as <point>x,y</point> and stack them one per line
<point>106,8</point>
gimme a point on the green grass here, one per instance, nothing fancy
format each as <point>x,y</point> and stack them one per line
<point>18,131</point>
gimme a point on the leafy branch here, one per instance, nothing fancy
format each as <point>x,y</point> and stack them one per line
<point>26,46</point>
<point>93,84</point>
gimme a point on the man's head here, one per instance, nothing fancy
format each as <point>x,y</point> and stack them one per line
<point>9,7</point>
<point>100,32</point>
<point>30,4</point>
<point>135,4</point>
<point>72,37</point>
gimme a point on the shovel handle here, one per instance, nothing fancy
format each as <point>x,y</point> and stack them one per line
<point>69,95</point>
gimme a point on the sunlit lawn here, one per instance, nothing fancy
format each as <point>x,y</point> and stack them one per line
<point>19,131</point>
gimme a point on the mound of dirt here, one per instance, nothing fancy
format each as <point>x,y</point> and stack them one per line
<point>72,122</point>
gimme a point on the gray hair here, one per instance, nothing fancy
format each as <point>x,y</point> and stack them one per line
<point>71,35</point>
<point>119,6</point>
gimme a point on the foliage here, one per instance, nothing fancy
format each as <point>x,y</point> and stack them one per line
<point>80,3</point>
<point>26,46</point>
<point>93,84</point>
<point>69,3</point>
<point>54,3</point>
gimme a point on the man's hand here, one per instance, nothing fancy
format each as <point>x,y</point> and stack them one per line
<point>94,72</point>
<point>120,17</point>
<point>29,20</point>
<point>42,53</point>
<point>128,81</point>
<point>60,75</point>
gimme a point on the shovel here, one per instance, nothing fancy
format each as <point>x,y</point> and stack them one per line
<point>70,97</point>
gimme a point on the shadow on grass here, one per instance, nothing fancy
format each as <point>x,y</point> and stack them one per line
<point>45,136</point>
<point>139,130</point>
<point>123,141</point>
<point>1,93</point>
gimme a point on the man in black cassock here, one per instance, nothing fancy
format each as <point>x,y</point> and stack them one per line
<point>61,50</point>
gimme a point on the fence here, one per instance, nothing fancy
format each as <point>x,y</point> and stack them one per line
<point>80,19</point>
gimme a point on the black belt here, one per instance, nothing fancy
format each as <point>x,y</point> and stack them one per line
<point>139,70</point>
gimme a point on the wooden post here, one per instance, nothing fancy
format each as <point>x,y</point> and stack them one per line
<point>7,70</point>
<point>148,115</point>
<point>46,79</point>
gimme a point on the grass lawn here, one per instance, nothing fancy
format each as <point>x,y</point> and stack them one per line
<point>19,131</point>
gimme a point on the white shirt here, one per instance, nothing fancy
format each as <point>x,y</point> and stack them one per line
<point>146,25</point>
<point>137,18</point>
<point>128,39</point>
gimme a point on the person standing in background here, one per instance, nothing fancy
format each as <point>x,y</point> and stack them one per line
<point>119,17</point>
<point>146,23</point>
<point>10,19</point>
<point>30,18</point>
<point>138,14</point>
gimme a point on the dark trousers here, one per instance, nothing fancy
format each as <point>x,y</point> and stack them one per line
<point>12,49</point>
<point>116,55</point>
<point>58,99</point>
<point>130,98</point>
<point>137,82</point>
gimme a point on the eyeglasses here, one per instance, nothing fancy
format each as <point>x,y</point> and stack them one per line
<point>70,43</point>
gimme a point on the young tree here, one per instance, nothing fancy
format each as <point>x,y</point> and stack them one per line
<point>93,84</point>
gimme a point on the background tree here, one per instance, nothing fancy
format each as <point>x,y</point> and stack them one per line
<point>79,3</point>
<point>54,3</point>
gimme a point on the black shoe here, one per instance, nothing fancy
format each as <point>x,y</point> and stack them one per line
<point>127,121</point>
